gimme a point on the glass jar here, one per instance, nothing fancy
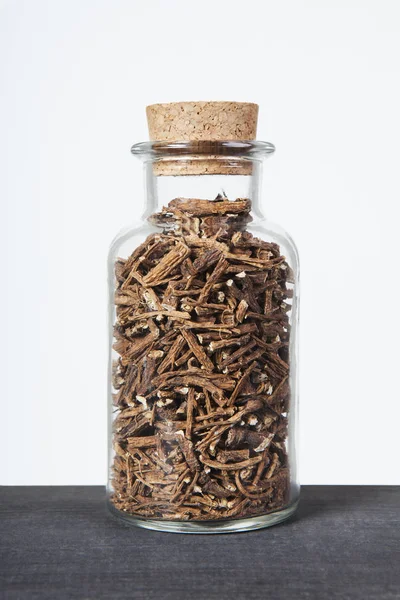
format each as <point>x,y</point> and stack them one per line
<point>203,347</point>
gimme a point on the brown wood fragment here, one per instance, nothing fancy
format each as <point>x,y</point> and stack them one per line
<point>187,449</point>
<point>233,455</point>
<point>257,440</point>
<point>241,310</point>
<point>235,356</point>
<point>197,350</point>
<point>241,383</point>
<point>142,442</point>
<point>171,314</point>
<point>189,412</point>
<point>206,260</point>
<point>193,206</point>
<point>249,494</point>
<point>230,466</point>
<point>172,354</point>
<point>167,264</point>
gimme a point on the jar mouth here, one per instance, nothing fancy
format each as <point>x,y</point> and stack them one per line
<point>249,149</point>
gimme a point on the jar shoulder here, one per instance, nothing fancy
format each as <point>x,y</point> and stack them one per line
<point>275,233</point>
<point>128,239</point>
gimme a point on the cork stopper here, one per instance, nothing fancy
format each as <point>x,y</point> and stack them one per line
<point>202,122</point>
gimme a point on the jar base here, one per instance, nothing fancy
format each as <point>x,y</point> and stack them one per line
<point>208,527</point>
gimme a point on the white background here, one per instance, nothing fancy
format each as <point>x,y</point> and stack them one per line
<point>75,78</point>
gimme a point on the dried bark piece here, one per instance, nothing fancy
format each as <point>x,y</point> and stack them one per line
<point>173,352</point>
<point>187,449</point>
<point>189,412</point>
<point>171,314</point>
<point>251,495</point>
<point>142,442</point>
<point>197,350</point>
<point>206,260</point>
<point>212,487</point>
<point>241,383</point>
<point>136,426</point>
<point>226,343</point>
<point>193,206</point>
<point>235,356</point>
<point>219,270</point>
<point>241,310</point>
<point>233,455</point>
<point>230,466</point>
<point>167,264</point>
<point>256,440</point>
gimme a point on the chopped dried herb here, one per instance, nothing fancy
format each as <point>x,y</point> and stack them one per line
<point>201,379</point>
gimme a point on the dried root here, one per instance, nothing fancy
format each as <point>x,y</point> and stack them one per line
<point>201,379</point>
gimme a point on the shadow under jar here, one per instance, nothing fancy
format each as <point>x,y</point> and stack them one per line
<point>203,327</point>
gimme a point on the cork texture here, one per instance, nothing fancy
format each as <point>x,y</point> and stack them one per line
<point>201,121</point>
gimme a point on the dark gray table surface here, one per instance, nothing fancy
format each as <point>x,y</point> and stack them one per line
<point>61,542</point>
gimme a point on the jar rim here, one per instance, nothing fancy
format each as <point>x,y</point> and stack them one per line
<point>238,148</point>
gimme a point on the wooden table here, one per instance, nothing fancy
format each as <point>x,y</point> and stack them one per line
<point>61,542</point>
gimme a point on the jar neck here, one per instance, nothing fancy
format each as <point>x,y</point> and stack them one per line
<point>161,189</point>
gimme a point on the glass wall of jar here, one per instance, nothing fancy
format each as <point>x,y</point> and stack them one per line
<point>203,347</point>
